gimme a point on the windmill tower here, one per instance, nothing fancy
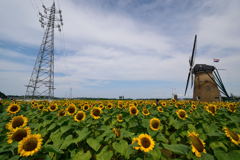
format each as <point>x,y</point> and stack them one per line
<point>41,83</point>
<point>207,82</point>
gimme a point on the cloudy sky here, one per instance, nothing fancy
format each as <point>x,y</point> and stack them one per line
<point>134,48</point>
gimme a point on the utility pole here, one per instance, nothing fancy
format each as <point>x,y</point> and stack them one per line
<point>41,83</point>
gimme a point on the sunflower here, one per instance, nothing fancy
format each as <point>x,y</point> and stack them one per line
<point>86,107</point>
<point>17,121</point>
<point>71,109</point>
<point>211,109</point>
<point>30,145</point>
<point>233,136</point>
<point>101,106</point>
<point>145,112</point>
<point>119,118</point>
<point>182,114</point>
<point>173,100</point>
<point>133,110</point>
<point>80,116</point>
<point>13,108</point>
<point>61,112</point>
<point>53,107</point>
<point>34,105</point>
<point>193,106</point>
<point>154,124</point>
<point>232,107</point>
<point>117,132</point>
<point>120,104</point>
<point>40,107</point>
<point>198,146</point>
<point>109,106</point>
<point>160,109</point>
<point>18,134</point>
<point>145,142</point>
<point>135,143</point>
<point>95,112</point>
<point>163,103</point>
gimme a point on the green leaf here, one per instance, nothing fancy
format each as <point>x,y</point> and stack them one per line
<point>126,134</point>
<point>177,148</point>
<point>105,154</point>
<point>82,134</point>
<point>52,126</point>
<point>56,138</point>
<point>206,156</point>
<point>94,144</point>
<point>82,156</point>
<point>160,137</point>
<point>234,155</point>
<point>155,153</point>
<point>52,148</point>
<point>215,145</point>
<point>69,140</point>
<point>122,148</point>
<point>65,128</point>
<point>221,155</point>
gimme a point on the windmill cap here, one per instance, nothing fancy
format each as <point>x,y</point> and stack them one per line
<point>203,68</point>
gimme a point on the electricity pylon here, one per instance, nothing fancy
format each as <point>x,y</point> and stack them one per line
<point>41,83</point>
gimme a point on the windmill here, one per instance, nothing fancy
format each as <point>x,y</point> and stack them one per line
<point>206,80</point>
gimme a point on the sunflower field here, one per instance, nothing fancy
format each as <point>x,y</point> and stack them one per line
<point>119,129</point>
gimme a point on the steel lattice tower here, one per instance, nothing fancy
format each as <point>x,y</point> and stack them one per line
<point>41,83</point>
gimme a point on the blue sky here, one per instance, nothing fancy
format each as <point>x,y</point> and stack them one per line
<point>135,48</point>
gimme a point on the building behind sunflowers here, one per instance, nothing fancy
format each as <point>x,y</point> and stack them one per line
<point>119,129</point>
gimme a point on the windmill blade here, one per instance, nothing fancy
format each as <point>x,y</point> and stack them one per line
<point>187,83</point>
<point>191,62</point>
<point>191,80</point>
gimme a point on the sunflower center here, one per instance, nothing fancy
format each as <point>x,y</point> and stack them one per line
<point>232,108</point>
<point>17,122</point>
<point>155,124</point>
<point>86,107</point>
<point>212,109</point>
<point>234,135</point>
<point>79,116</point>
<point>133,110</point>
<point>30,144</point>
<point>182,114</point>
<point>96,112</point>
<point>120,117</point>
<point>145,111</point>
<point>53,107</point>
<point>14,108</point>
<point>19,135</point>
<point>197,143</point>
<point>71,110</point>
<point>145,142</point>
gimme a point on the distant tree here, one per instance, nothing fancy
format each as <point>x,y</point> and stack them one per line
<point>2,95</point>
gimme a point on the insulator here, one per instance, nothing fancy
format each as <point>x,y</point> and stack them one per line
<point>45,11</point>
<point>40,14</point>
<point>43,6</point>
<point>60,11</point>
<point>62,23</point>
